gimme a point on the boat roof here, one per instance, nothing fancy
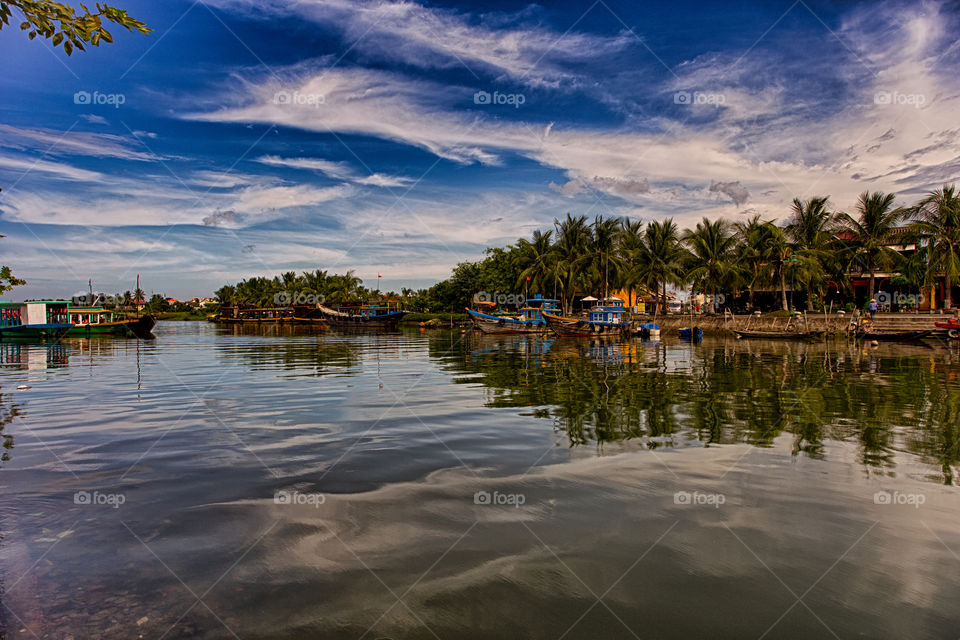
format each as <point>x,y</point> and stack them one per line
<point>13,303</point>
<point>87,309</point>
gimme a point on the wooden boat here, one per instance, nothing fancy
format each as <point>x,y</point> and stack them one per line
<point>893,336</point>
<point>255,315</point>
<point>43,320</point>
<point>778,335</point>
<point>691,333</point>
<point>363,316</point>
<point>308,315</point>
<point>97,321</point>
<point>529,320</point>
<point>603,320</point>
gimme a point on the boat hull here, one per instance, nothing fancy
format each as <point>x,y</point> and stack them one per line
<point>575,328</point>
<point>134,328</point>
<point>493,325</point>
<point>38,332</point>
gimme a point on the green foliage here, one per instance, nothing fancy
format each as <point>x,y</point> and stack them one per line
<point>8,281</point>
<point>61,24</point>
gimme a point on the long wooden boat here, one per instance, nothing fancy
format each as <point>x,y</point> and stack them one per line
<point>97,321</point>
<point>893,336</point>
<point>778,335</point>
<point>42,320</point>
<point>363,317</point>
<point>603,320</point>
<point>255,315</point>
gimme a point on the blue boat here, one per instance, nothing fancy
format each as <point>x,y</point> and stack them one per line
<point>529,319</point>
<point>39,320</point>
<point>605,319</point>
<point>691,333</point>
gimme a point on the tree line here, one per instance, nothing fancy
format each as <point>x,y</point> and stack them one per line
<point>815,249</point>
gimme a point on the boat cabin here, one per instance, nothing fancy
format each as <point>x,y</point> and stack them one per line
<point>608,310</point>
<point>39,312</point>
<point>90,315</point>
<point>533,311</point>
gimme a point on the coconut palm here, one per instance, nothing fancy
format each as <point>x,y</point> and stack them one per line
<point>937,223</point>
<point>871,232</point>
<point>573,236</point>
<point>811,229</point>
<point>660,257</point>
<point>777,255</point>
<point>605,262</point>
<point>750,237</point>
<point>712,260</point>
<point>535,257</point>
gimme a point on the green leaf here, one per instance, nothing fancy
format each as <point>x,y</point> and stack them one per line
<point>57,39</point>
<point>24,26</point>
<point>68,47</point>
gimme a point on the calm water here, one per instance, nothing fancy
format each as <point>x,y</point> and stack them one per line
<point>228,484</point>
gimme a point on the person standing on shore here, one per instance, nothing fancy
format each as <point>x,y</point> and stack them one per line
<point>872,306</point>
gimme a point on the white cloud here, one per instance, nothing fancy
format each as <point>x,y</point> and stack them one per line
<point>337,171</point>
<point>50,141</point>
<point>433,37</point>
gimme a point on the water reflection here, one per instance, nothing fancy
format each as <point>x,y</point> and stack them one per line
<point>895,398</point>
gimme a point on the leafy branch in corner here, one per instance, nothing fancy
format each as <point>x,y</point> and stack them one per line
<point>62,24</point>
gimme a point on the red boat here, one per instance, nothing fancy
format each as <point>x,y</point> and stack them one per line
<point>952,326</point>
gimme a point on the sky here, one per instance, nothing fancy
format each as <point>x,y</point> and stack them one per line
<point>244,138</point>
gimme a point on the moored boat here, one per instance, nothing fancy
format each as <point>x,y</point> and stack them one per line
<point>529,320</point>
<point>41,320</point>
<point>363,316</point>
<point>97,321</point>
<point>255,315</point>
<point>605,319</point>
<point>691,333</point>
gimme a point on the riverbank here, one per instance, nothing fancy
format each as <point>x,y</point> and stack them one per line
<point>719,325</point>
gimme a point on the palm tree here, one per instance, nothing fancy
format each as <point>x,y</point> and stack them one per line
<point>712,257</point>
<point>604,241</point>
<point>660,257</point>
<point>811,230</point>
<point>937,222</point>
<point>537,255</point>
<point>750,237</point>
<point>571,246</point>
<point>872,231</point>
<point>629,243</point>
<point>777,252</point>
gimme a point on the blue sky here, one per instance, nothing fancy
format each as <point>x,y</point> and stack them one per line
<point>249,138</point>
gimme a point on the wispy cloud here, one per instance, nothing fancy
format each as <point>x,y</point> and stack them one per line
<point>431,37</point>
